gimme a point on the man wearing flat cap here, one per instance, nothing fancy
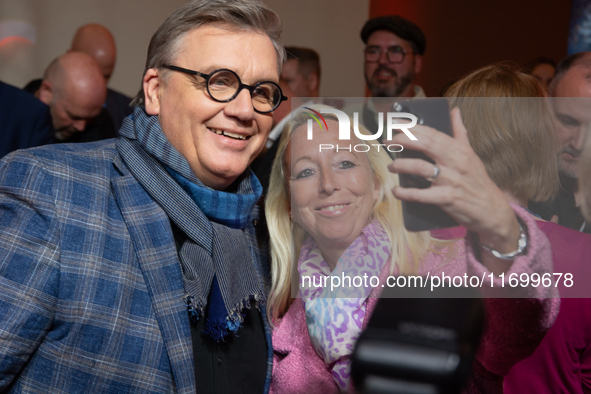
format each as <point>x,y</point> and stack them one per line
<point>393,58</point>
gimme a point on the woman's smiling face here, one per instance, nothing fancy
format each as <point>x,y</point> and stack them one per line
<point>332,192</point>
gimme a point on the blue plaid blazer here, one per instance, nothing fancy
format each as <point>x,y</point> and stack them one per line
<point>90,283</point>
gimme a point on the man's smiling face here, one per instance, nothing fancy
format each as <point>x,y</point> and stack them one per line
<point>219,140</point>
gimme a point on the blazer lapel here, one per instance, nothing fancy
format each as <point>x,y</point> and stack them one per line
<point>153,241</point>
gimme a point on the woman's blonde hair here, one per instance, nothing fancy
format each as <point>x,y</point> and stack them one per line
<point>511,127</point>
<point>287,237</point>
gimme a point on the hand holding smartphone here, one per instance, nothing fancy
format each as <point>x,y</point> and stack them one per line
<point>432,112</point>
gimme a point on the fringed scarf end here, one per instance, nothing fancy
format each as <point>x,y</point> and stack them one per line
<point>194,310</point>
<point>219,329</point>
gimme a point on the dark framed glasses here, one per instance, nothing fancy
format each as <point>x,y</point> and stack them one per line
<point>394,53</point>
<point>224,85</point>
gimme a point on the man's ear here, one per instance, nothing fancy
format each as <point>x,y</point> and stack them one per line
<point>45,92</point>
<point>152,83</point>
<point>313,82</point>
<point>418,63</point>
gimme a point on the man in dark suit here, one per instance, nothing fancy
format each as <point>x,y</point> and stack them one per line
<point>98,42</point>
<point>24,121</point>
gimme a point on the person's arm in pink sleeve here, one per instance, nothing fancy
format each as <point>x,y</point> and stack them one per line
<point>516,325</point>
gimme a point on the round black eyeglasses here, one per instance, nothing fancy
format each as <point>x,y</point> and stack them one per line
<point>394,53</point>
<point>224,85</point>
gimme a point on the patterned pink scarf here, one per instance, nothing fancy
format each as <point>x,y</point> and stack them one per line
<point>335,315</point>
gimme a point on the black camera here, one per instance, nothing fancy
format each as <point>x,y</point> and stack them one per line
<point>419,345</point>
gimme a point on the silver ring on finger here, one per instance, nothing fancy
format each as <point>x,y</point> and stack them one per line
<point>436,171</point>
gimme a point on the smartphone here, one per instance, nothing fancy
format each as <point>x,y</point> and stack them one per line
<point>432,112</point>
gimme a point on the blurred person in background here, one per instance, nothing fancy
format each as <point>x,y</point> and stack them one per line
<point>281,116</point>
<point>98,42</point>
<point>301,71</point>
<point>542,69</point>
<point>300,78</point>
<point>394,48</point>
<point>570,91</point>
<point>74,89</point>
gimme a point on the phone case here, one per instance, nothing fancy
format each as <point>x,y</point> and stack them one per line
<point>432,112</point>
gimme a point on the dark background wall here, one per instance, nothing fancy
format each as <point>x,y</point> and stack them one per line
<point>463,35</point>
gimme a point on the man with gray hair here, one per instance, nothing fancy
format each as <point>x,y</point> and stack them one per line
<point>571,99</point>
<point>140,265</point>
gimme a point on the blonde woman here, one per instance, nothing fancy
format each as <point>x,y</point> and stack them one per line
<point>336,208</point>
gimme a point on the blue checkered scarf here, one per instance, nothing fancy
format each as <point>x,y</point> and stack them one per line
<point>218,268</point>
<point>230,209</point>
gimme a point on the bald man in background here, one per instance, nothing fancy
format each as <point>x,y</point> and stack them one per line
<point>74,89</point>
<point>571,92</point>
<point>97,41</point>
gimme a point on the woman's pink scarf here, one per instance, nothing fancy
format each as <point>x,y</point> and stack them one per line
<point>334,314</point>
